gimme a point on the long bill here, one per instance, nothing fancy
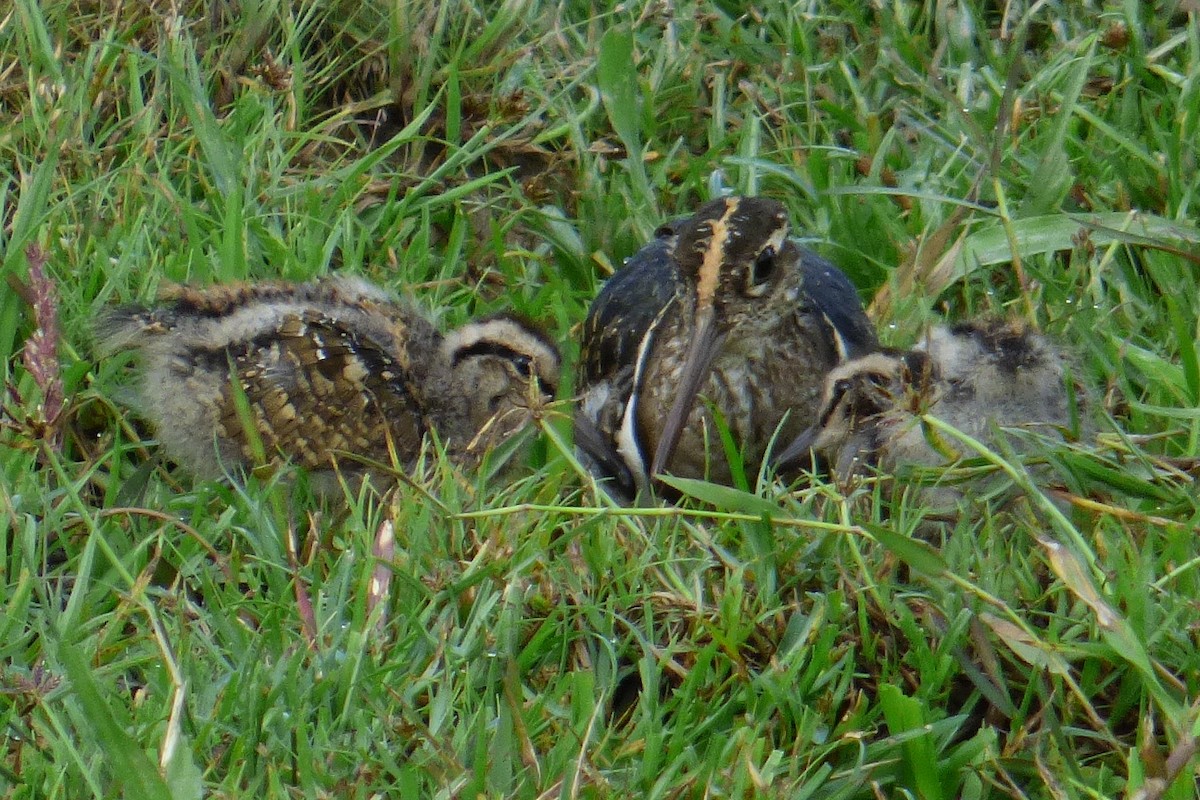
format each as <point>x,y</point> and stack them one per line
<point>703,347</point>
<point>800,447</point>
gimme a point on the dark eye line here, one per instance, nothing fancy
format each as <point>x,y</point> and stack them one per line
<point>487,349</point>
<point>521,362</point>
<point>878,379</point>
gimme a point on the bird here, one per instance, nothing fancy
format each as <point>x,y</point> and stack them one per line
<point>977,376</point>
<point>334,374</point>
<point>720,316</point>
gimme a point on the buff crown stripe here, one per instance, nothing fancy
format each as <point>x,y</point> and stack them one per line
<point>714,256</point>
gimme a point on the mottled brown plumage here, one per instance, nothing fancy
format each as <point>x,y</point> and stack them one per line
<point>315,373</point>
<point>721,316</point>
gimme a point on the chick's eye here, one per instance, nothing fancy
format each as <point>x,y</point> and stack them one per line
<point>523,365</point>
<point>764,266</point>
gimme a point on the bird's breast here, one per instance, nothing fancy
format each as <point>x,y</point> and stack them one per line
<point>759,377</point>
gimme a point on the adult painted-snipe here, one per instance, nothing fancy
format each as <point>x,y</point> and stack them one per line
<point>724,317</point>
<point>976,376</point>
<point>332,370</point>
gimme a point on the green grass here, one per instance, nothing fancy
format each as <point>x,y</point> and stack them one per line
<point>160,638</point>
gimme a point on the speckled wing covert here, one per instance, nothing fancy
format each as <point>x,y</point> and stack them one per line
<point>316,390</point>
<point>325,369</point>
<point>626,307</point>
<point>830,293</point>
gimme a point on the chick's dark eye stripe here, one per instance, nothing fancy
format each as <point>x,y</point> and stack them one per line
<point>487,349</point>
<point>519,360</point>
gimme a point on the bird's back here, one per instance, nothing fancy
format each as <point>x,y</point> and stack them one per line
<point>250,373</point>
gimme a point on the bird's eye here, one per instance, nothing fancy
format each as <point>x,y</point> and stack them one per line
<point>764,267</point>
<point>837,395</point>
<point>523,365</point>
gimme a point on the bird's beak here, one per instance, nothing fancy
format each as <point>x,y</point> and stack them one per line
<point>799,448</point>
<point>807,440</point>
<point>704,345</point>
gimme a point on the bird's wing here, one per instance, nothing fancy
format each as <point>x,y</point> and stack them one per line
<point>316,387</point>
